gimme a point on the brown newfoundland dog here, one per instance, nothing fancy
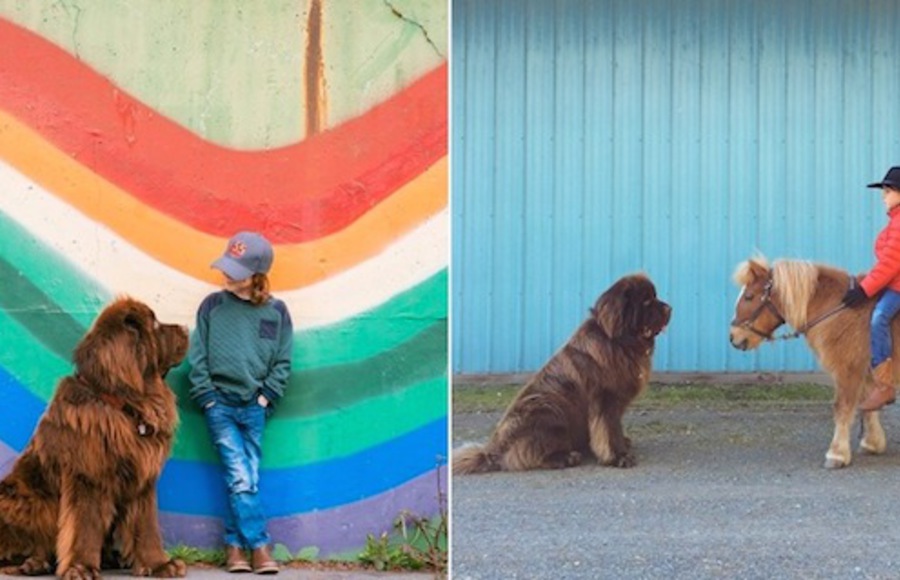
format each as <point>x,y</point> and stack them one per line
<point>573,406</point>
<point>87,479</point>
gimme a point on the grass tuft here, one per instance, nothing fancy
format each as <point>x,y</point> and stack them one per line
<point>480,398</point>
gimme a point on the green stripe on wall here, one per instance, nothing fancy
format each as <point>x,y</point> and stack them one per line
<point>70,291</point>
<point>68,288</point>
<point>313,438</point>
<point>310,392</point>
<point>25,302</point>
<point>28,360</point>
<point>341,432</point>
<point>365,335</point>
<point>425,355</point>
<point>314,391</point>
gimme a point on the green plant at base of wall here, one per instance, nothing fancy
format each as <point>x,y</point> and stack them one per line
<point>191,555</point>
<point>418,542</point>
<point>306,554</point>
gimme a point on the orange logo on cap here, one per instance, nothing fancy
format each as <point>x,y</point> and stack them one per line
<point>237,249</point>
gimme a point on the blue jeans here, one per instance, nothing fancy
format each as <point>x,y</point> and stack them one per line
<point>884,312</point>
<point>237,434</point>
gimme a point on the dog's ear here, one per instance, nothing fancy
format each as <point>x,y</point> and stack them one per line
<point>171,346</point>
<point>619,311</point>
<point>610,312</point>
<point>114,353</point>
<point>132,321</point>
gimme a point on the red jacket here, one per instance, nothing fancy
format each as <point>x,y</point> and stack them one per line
<point>886,272</point>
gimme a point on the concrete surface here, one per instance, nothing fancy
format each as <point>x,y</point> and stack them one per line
<point>724,492</point>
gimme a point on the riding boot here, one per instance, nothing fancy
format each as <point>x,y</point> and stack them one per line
<point>883,392</point>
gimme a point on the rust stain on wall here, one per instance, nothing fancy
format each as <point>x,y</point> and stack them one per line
<point>315,70</point>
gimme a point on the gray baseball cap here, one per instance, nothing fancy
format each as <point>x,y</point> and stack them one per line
<point>247,253</point>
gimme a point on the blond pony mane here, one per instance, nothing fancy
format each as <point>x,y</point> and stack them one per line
<point>743,274</point>
<point>795,284</point>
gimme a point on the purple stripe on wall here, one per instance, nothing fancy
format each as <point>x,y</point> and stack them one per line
<point>333,532</point>
<point>7,458</point>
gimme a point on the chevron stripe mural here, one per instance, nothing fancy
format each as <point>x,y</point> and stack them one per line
<point>136,137</point>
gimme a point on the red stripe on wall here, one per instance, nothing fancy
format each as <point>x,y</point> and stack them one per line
<point>295,193</point>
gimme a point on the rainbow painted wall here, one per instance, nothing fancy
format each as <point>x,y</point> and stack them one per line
<point>136,137</point>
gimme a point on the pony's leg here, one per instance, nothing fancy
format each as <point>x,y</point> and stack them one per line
<point>846,396</point>
<point>873,440</point>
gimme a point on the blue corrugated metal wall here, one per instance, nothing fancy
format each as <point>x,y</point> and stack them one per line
<point>595,138</point>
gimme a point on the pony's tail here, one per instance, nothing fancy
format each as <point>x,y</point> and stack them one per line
<point>474,459</point>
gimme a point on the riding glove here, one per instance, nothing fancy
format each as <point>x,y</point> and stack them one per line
<point>854,296</point>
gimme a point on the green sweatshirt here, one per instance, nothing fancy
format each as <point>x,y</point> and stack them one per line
<point>239,351</point>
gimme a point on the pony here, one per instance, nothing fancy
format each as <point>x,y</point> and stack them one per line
<point>807,296</point>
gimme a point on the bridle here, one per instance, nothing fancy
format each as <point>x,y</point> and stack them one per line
<point>767,304</point>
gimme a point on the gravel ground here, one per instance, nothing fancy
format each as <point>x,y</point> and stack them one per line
<point>736,491</point>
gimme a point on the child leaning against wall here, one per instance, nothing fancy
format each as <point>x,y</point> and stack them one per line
<point>240,357</point>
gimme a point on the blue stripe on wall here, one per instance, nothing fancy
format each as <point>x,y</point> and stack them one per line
<point>17,427</point>
<point>318,486</point>
<point>301,489</point>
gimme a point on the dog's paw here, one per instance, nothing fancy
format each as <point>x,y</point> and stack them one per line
<point>174,568</point>
<point>80,572</point>
<point>35,566</point>
<point>625,460</point>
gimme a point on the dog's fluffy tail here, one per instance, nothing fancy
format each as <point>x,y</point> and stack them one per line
<point>474,459</point>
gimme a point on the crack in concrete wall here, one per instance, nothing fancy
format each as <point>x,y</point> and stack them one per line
<point>421,27</point>
<point>76,25</point>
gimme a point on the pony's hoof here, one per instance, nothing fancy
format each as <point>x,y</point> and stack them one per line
<point>871,449</point>
<point>834,463</point>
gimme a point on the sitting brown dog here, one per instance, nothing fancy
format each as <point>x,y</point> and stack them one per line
<point>573,406</point>
<point>88,475</point>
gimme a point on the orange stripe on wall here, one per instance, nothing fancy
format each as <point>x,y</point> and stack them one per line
<point>190,251</point>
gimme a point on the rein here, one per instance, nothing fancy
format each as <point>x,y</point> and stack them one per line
<point>806,328</point>
<point>768,305</point>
